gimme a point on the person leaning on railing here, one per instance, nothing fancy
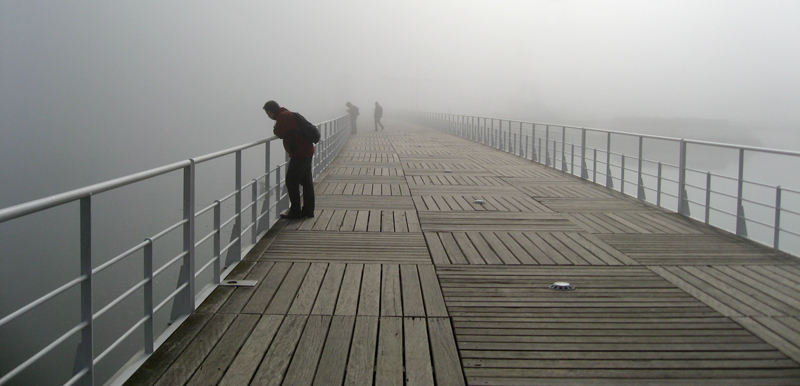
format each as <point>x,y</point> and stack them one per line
<point>301,153</point>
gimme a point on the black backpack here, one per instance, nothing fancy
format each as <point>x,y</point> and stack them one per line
<point>307,129</point>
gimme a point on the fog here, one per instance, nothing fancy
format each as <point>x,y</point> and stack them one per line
<point>93,90</point>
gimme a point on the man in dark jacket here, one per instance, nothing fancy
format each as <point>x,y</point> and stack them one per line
<point>301,154</point>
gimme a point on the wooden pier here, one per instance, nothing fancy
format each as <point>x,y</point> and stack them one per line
<point>429,262</point>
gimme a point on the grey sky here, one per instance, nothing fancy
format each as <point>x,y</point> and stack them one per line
<point>176,79</point>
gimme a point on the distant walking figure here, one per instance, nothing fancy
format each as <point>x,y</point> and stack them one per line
<point>378,115</point>
<point>353,111</point>
<point>301,153</point>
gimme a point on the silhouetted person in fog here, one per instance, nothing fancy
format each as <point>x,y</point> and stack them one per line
<point>378,115</point>
<point>301,153</point>
<point>353,111</point>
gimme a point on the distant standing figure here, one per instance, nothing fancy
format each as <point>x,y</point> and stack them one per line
<point>301,154</point>
<point>353,111</point>
<point>378,115</point>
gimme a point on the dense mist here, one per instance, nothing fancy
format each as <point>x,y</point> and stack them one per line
<point>92,90</point>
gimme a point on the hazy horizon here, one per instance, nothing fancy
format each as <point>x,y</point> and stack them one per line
<point>91,85</point>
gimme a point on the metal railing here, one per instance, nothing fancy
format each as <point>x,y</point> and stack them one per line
<point>186,296</point>
<point>659,170</point>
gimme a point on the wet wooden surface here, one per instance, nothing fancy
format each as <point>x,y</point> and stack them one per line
<point>429,263</point>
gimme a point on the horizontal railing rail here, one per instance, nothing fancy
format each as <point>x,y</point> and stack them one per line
<point>186,295</point>
<point>748,207</point>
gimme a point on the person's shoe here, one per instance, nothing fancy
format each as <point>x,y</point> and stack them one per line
<point>291,216</point>
<point>309,215</point>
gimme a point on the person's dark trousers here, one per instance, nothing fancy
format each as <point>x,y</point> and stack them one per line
<point>298,173</point>
<point>378,122</point>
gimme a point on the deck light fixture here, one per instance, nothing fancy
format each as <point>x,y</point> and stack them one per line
<point>561,286</point>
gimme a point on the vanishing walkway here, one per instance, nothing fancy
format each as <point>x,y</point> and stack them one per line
<point>403,278</point>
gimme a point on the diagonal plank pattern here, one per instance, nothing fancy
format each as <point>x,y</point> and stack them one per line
<point>429,260</point>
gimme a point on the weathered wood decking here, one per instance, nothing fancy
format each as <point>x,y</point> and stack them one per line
<point>402,279</point>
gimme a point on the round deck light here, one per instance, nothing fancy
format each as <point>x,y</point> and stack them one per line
<point>561,286</point>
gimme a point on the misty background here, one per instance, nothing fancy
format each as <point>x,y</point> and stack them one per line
<point>92,90</point>
<point>95,90</point>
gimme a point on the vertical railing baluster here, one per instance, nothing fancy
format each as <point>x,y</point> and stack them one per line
<point>741,226</point>
<point>254,212</point>
<point>584,172</point>
<point>682,199</point>
<point>237,252</point>
<point>658,186</point>
<point>563,148</point>
<point>639,181</point>
<point>547,145</point>
<point>149,336</point>
<point>609,180</point>
<point>622,175</point>
<point>87,332</point>
<point>572,159</point>
<point>188,233</point>
<point>217,241</point>
<point>776,239</point>
<point>708,197</point>
<point>594,166</point>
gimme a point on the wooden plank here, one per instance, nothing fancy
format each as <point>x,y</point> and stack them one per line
<point>488,255</point>
<point>387,221</point>
<point>446,361</point>
<point>391,301</point>
<point>307,293</point>
<point>239,296</point>
<point>361,364</point>
<point>160,361</point>
<point>418,366</point>
<point>220,358</point>
<point>369,299</point>
<point>333,360</point>
<point>431,292</point>
<point>455,252</point>
<point>288,289</point>
<point>273,366</point>
<point>438,254</point>
<point>304,362</point>
<point>329,291</point>
<point>351,286</point>
<point>389,361</point>
<point>412,291</point>
<point>184,366</point>
<point>499,248</point>
<point>249,357</point>
<point>266,290</point>
<point>361,221</point>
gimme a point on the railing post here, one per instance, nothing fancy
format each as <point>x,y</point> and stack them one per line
<point>658,186</point>
<point>594,166</point>
<point>741,224</point>
<point>149,336</point>
<point>572,158</point>
<point>85,357</point>
<point>584,172</point>
<point>776,239</point>
<point>263,225</point>
<point>563,149</point>
<point>547,145</point>
<point>683,204</point>
<point>622,175</point>
<point>254,212</point>
<point>609,179</point>
<point>238,203</point>
<point>217,241</point>
<point>708,197</point>
<point>640,191</point>
<point>188,228</point>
